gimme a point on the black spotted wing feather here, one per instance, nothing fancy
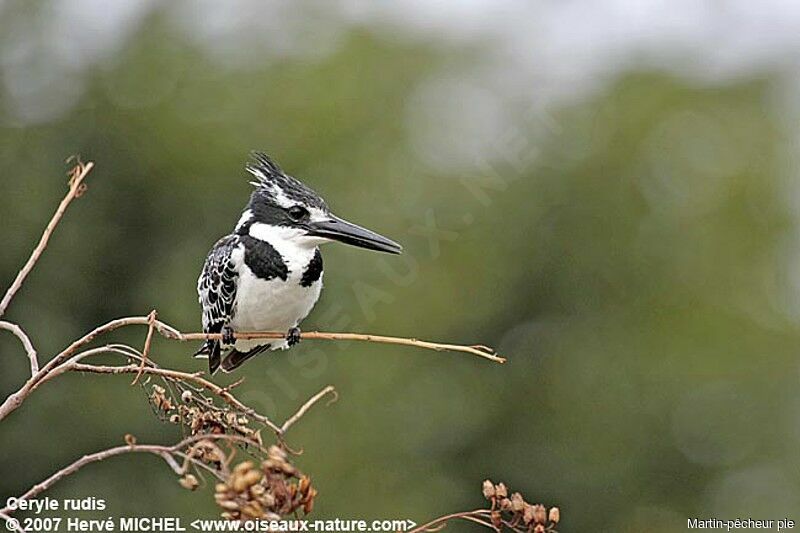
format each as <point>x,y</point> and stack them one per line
<point>216,289</point>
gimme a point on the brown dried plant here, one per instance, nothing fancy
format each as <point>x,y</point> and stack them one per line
<point>506,513</point>
<point>274,490</point>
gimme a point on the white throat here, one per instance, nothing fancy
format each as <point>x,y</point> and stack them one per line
<point>296,248</point>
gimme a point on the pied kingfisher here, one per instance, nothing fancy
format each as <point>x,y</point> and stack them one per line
<point>267,274</point>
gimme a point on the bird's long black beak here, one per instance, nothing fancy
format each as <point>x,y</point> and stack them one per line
<point>343,231</point>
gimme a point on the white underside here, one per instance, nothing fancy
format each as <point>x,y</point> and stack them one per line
<point>276,304</point>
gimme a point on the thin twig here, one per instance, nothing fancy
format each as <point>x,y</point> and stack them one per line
<point>221,392</point>
<point>475,349</point>
<point>162,328</point>
<point>151,318</point>
<point>438,523</point>
<point>155,449</point>
<point>12,524</point>
<point>26,343</point>
<point>479,516</point>
<point>76,188</point>
<point>308,405</point>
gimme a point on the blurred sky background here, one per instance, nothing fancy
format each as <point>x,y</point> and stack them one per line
<point>607,192</point>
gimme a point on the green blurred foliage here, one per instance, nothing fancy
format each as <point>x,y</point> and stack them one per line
<point>633,272</point>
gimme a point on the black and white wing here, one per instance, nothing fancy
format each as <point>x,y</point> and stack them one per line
<point>216,289</point>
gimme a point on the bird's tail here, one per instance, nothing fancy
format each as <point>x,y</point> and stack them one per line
<point>204,351</point>
<point>210,350</point>
<point>235,358</point>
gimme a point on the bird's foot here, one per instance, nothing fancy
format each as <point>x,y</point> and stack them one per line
<point>293,336</point>
<point>228,338</point>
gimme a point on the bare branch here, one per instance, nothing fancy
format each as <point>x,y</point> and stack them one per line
<point>12,524</point>
<point>151,319</point>
<point>165,330</point>
<point>439,523</point>
<point>475,349</point>
<point>154,449</point>
<point>221,392</point>
<point>308,405</point>
<point>169,332</point>
<point>26,343</point>
<point>76,188</point>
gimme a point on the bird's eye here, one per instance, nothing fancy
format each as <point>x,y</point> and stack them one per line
<point>297,213</point>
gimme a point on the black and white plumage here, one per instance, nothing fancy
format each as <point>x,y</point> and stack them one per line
<point>267,274</point>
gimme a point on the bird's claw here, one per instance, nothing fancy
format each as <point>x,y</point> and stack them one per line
<point>293,336</point>
<point>228,338</point>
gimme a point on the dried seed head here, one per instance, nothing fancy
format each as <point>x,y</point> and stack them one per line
<point>304,485</point>
<point>252,510</point>
<point>527,513</point>
<point>252,477</point>
<point>277,452</point>
<point>308,502</point>
<point>517,503</point>
<point>539,514</point>
<point>238,483</point>
<point>229,505</point>
<point>500,490</point>
<point>275,490</point>
<point>268,499</point>
<point>488,490</point>
<point>160,400</point>
<point>189,482</point>
<point>243,467</point>
<point>186,397</point>
<point>514,512</point>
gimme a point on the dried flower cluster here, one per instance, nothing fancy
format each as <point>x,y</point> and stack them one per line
<point>200,414</point>
<point>270,491</point>
<point>267,493</point>
<point>517,514</point>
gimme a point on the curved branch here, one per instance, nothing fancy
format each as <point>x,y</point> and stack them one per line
<point>221,392</point>
<point>438,523</point>
<point>147,367</point>
<point>26,343</point>
<point>308,405</point>
<point>165,452</point>
<point>76,188</point>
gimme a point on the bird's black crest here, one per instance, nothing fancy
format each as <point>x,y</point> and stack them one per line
<point>270,176</point>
